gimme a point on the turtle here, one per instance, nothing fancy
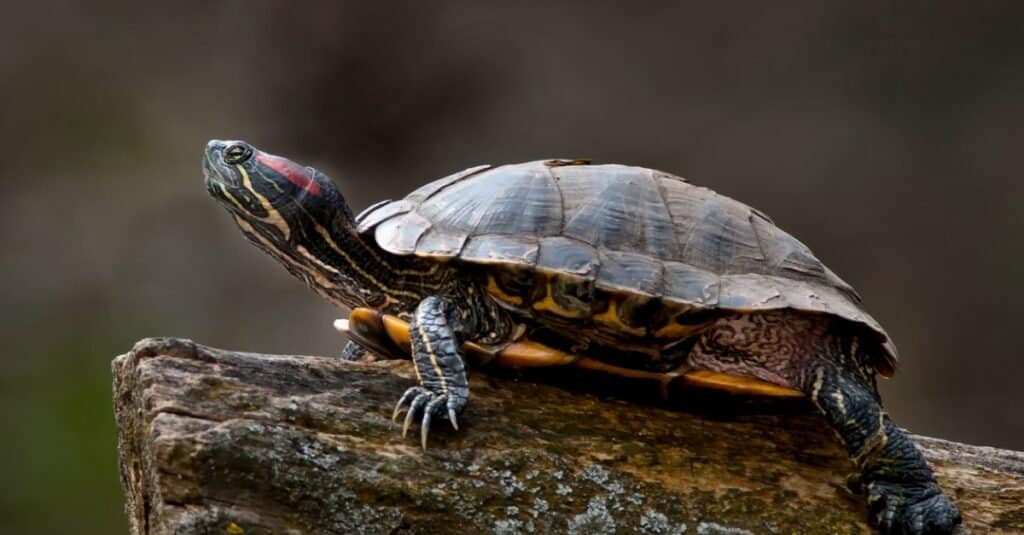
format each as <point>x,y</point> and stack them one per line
<point>623,269</point>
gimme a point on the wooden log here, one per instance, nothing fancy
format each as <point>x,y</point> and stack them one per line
<point>215,441</point>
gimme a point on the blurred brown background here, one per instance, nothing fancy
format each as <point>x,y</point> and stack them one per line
<point>887,138</point>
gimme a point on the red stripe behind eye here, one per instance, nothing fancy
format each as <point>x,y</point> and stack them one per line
<point>294,173</point>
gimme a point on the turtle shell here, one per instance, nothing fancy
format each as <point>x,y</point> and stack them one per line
<point>651,238</point>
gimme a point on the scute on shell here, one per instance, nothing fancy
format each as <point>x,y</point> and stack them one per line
<point>629,229</point>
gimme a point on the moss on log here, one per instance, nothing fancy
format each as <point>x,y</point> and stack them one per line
<point>215,441</point>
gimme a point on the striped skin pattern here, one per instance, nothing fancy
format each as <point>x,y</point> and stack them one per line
<point>824,358</point>
<point>633,266</point>
<point>312,237</point>
<point>435,332</point>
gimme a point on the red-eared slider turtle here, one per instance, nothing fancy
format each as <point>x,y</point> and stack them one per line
<point>637,269</point>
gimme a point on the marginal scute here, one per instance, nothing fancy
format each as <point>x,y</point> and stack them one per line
<point>691,285</point>
<point>559,254</point>
<point>370,209</point>
<point>631,272</point>
<point>750,292</point>
<point>609,233</point>
<point>501,249</point>
<point>440,243</point>
<point>375,214</point>
<point>399,235</point>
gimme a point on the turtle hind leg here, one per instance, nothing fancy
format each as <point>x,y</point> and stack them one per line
<point>903,496</point>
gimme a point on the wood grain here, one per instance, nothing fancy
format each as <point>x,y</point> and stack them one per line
<point>215,441</point>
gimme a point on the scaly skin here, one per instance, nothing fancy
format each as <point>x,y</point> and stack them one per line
<point>353,352</point>
<point>439,326</point>
<point>832,365</point>
<point>298,216</point>
<point>443,389</point>
<point>903,496</point>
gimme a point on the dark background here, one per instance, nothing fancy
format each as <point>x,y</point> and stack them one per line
<point>889,139</point>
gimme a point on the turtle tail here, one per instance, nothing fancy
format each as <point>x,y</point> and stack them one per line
<point>902,493</point>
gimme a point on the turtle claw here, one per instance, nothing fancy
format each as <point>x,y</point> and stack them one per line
<point>418,402</point>
<point>431,405</point>
<point>911,509</point>
<point>409,394</point>
<point>452,418</point>
<point>428,412</point>
<point>424,430</point>
<point>408,422</point>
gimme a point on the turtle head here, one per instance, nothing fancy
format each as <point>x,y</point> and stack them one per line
<point>294,213</point>
<point>269,189</point>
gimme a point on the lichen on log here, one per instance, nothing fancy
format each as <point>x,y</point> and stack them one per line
<point>215,441</point>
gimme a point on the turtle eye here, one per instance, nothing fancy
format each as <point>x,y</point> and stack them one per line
<point>237,153</point>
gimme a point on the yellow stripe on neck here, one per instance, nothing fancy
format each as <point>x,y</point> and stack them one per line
<point>274,218</point>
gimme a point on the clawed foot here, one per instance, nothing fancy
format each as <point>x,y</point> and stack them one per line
<point>911,509</point>
<point>431,405</point>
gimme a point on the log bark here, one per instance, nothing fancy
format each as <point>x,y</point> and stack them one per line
<point>215,441</point>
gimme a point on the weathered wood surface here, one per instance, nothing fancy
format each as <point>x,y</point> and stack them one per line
<point>214,441</point>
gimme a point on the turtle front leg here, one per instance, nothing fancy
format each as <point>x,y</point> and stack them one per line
<point>353,352</point>
<point>436,334</point>
<point>903,496</point>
